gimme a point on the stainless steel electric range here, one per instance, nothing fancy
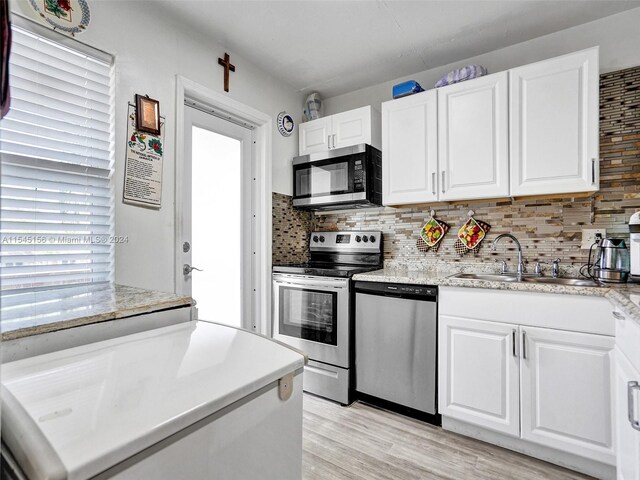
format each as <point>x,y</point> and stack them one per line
<point>312,307</point>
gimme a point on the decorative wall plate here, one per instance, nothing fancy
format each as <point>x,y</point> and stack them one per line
<point>68,16</point>
<point>285,124</point>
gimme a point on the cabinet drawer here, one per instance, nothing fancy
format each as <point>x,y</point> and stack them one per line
<point>577,313</point>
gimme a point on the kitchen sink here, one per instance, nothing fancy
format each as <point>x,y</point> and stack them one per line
<point>575,282</point>
<point>486,276</point>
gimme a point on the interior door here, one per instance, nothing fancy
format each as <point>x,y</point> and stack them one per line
<point>473,136</point>
<point>567,391</point>
<point>216,218</point>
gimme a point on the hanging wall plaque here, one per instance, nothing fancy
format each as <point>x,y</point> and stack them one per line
<point>143,165</point>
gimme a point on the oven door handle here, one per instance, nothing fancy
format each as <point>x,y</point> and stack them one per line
<point>312,285</point>
<point>306,282</point>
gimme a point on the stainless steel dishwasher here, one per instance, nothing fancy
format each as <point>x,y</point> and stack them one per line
<point>396,345</point>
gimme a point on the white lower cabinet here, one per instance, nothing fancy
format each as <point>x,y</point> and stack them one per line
<point>481,373</point>
<point>627,381</point>
<point>567,391</point>
<point>550,387</point>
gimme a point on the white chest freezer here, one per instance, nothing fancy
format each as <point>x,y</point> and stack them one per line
<point>196,400</point>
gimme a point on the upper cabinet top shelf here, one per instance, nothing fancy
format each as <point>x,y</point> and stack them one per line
<point>353,127</point>
<point>532,130</point>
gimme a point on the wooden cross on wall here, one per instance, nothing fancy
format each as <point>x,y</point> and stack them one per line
<point>227,67</point>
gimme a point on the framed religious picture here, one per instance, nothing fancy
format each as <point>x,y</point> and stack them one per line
<point>147,114</point>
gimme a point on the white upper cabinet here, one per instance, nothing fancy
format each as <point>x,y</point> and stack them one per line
<point>361,125</point>
<point>478,366</point>
<point>566,383</point>
<point>351,127</point>
<point>554,125</point>
<point>410,149</point>
<point>314,136</point>
<point>473,138</point>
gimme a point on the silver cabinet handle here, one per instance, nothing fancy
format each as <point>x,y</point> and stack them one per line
<point>187,269</point>
<point>443,181</point>
<point>513,341</point>
<point>329,142</point>
<point>617,315</point>
<point>433,183</point>
<point>631,386</point>
<point>524,345</point>
<point>333,143</point>
<point>593,170</point>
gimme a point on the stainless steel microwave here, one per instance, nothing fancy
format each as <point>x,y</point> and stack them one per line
<point>349,177</point>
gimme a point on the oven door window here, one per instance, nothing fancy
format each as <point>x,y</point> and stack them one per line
<point>322,178</point>
<point>309,314</point>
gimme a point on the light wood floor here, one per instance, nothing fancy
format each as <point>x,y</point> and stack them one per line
<point>363,442</point>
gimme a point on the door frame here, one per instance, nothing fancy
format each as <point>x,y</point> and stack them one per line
<point>261,192</point>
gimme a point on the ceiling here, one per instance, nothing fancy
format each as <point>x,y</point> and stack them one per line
<point>335,47</point>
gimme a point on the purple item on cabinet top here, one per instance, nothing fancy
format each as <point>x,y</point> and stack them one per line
<point>462,74</point>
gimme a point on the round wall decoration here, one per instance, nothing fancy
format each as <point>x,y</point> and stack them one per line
<point>285,124</point>
<point>68,16</point>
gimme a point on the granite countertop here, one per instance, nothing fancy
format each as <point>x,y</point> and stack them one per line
<point>625,297</point>
<point>33,313</point>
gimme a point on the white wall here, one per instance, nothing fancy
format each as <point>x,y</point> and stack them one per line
<point>150,51</point>
<point>618,37</point>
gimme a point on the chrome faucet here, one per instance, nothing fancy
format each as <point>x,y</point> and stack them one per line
<point>515,240</point>
<point>556,268</point>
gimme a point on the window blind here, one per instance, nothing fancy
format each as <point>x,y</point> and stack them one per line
<point>56,145</point>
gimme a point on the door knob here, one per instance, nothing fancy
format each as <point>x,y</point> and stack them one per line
<point>187,269</point>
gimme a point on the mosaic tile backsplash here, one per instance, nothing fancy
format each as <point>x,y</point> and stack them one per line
<point>546,227</point>
<point>291,228</point>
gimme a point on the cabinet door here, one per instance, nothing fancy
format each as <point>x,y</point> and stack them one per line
<point>473,138</point>
<point>554,125</point>
<point>566,381</point>
<point>410,149</point>
<point>478,373</point>
<point>351,128</point>
<point>314,136</point>
<point>627,411</point>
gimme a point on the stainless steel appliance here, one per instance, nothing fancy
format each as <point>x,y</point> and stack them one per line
<point>312,307</point>
<point>612,264</point>
<point>634,247</point>
<point>349,177</point>
<point>396,346</point>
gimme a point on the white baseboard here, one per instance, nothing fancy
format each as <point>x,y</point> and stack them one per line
<point>567,460</point>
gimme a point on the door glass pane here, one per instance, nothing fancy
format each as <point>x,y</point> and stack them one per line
<point>216,199</point>
<point>322,180</point>
<point>308,314</point>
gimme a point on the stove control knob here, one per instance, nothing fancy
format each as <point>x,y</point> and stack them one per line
<point>321,239</point>
<point>315,238</point>
<point>365,239</point>
<point>358,238</point>
<point>372,239</point>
